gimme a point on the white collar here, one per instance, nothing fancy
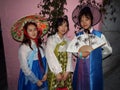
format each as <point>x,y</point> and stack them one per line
<point>91,29</point>
<point>56,35</point>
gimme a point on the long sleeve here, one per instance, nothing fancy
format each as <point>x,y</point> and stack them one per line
<point>53,63</point>
<point>69,67</point>
<point>22,55</point>
<point>107,49</point>
<point>46,71</point>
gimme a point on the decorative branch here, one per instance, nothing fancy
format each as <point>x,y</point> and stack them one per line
<point>52,9</point>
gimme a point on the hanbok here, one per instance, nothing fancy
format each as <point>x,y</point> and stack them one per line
<point>30,70</point>
<point>59,61</point>
<point>88,74</point>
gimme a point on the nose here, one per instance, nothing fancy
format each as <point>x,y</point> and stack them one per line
<point>34,32</point>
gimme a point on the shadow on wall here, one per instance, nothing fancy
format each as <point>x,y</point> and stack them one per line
<point>3,73</point>
<point>112,32</point>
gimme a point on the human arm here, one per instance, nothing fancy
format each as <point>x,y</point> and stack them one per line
<point>22,55</point>
<point>52,60</point>
<point>84,51</point>
<point>69,67</point>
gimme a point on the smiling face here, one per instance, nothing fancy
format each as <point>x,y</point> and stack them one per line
<point>85,22</point>
<point>85,18</point>
<point>32,31</point>
<point>62,29</point>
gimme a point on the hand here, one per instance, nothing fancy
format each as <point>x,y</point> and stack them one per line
<point>44,78</point>
<point>85,50</point>
<point>85,54</point>
<point>39,83</point>
<point>65,75</point>
<point>59,77</point>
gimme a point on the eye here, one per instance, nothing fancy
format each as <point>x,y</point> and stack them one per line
<point>29,30</point>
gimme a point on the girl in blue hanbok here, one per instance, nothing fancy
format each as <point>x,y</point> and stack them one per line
<point>88,74</point>
<point>33,73</point>
<point>33,65</point>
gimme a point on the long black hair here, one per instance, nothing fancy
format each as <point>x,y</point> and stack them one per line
<point>26,39</point>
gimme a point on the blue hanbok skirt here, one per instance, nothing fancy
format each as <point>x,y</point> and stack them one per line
<point>88,72</point>
<point>30,86</point>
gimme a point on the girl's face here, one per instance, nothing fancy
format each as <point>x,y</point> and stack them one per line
<point>85,22</point>
<point>32,31</point>
<point>62,29</point>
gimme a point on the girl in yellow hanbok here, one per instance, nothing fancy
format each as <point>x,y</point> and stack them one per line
<point>59,61</point>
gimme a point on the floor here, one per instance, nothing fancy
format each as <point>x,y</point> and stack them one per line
<point>112,80</point>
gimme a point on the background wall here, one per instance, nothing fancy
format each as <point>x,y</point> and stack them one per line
<point>12,10</point>
<point>112,32</point>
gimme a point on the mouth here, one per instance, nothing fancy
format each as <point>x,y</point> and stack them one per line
<point>63,31</point>
<point>84,25</point>
<point>34,35</point>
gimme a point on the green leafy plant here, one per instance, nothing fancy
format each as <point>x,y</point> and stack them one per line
<point>52,9</point>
